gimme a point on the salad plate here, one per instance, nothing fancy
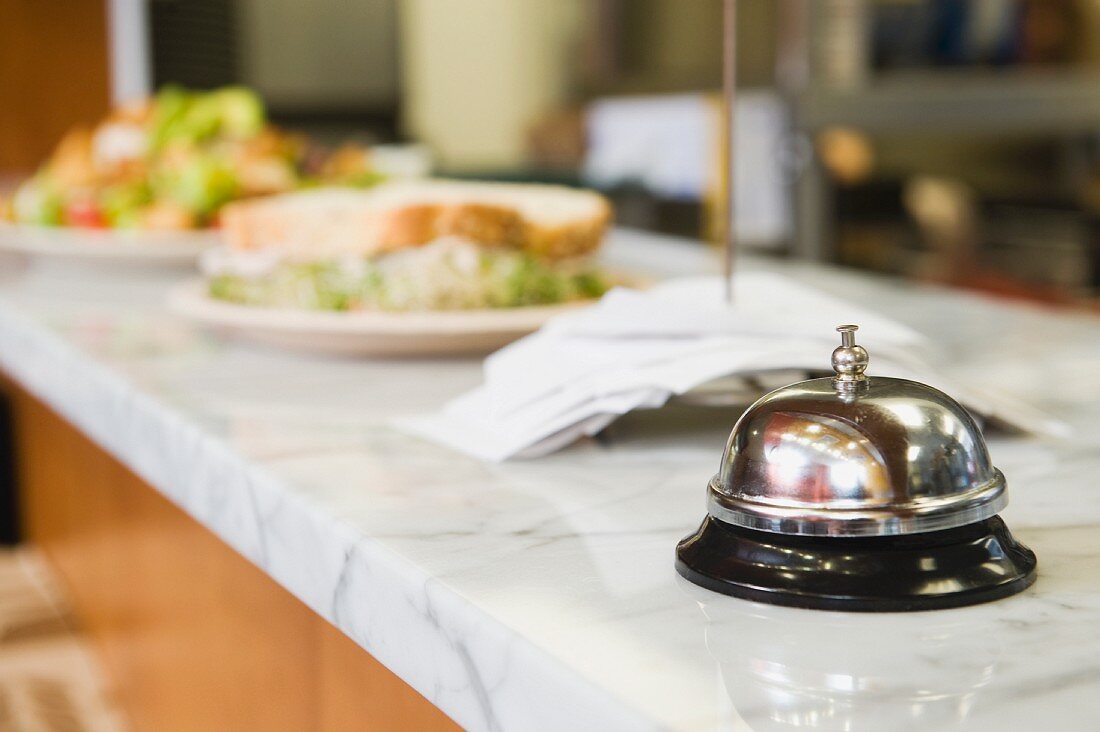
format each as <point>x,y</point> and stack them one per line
<point>365,332</point>
<point>148,182</point>
<point>174,248</point>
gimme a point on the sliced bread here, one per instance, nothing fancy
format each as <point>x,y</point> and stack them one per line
<point>552,222</point>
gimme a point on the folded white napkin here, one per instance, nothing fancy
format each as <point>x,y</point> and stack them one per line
<point>636,349</point>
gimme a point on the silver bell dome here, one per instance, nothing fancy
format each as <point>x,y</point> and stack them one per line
<point>855,455</point>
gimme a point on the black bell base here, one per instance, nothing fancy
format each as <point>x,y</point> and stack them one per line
<point>968,565</point>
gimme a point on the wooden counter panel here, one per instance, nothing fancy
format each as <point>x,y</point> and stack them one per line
<point>193,635</point>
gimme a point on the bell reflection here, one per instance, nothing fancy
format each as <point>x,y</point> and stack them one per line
<point>784,669</point>
<point>815,459</point>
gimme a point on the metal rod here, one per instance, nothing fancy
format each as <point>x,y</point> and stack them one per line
<point>728,220</point>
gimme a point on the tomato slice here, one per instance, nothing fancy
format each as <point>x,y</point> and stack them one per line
<point>85,214</point>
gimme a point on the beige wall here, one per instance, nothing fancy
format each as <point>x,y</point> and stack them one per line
<point>680,43</point>
<point>477,73</point>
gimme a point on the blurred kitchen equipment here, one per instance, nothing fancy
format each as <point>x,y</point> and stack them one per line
<point>857,493</point>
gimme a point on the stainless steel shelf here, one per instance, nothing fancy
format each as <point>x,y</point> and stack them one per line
<point>961,101</point>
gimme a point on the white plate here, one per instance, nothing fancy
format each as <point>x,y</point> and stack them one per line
<point>107,245</point>
<point>365,333</point>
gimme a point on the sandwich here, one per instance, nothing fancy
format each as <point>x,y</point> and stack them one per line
<point>412,245</point>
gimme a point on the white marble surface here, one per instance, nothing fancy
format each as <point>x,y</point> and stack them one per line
<point>541,595</point>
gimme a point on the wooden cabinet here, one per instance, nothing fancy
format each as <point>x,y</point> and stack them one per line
<point>192,634</point>
<point>53,74</point>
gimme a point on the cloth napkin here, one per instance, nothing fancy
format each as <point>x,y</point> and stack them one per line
<point>636,349</point>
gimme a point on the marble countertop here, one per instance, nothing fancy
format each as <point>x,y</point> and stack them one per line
<point>541,594</point>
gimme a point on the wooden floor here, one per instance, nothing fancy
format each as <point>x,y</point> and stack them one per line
<point>50,681</point>
<point>192,635</point>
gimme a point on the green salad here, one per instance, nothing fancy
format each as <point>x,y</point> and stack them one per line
<point>172,161</point>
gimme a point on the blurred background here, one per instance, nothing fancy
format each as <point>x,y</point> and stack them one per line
<point>948,140</point>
